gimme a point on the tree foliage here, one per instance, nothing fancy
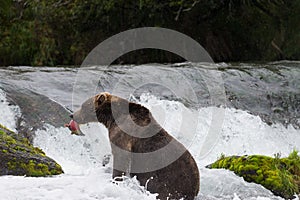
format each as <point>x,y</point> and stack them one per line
<point>52,32</point>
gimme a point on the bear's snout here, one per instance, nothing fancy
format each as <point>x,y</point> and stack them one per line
<point>84,116</point>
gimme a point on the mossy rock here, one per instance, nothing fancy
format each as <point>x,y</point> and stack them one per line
<point>19,157</point>
<point>279,175</point>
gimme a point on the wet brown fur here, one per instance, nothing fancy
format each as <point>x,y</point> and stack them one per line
<point>180,179</point>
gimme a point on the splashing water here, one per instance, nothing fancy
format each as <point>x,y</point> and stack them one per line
<point>242,133</point>
<point>9,113</point>
<point>86,178</point>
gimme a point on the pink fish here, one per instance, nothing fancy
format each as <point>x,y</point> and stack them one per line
<point>74,127</point>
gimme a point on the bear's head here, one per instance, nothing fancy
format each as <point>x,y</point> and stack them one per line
<point>106,109</point>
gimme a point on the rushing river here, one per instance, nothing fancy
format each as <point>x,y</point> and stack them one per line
<point>255,106</point>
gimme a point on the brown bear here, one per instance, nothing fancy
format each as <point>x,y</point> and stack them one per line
<point>142,148</point>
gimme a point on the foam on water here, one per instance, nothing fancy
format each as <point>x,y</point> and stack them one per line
<point>224,184</point>
<point>78,155</point>
<point>96,185</point>
<point>241,133</point>
<point>9,113</point>
<point>86,178</point>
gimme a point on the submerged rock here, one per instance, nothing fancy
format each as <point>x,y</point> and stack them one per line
<point>19,157</point>
<point>279,175</point>
<point>37,110</point>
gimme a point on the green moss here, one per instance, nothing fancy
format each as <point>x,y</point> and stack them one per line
<point>57,170</point>
<point>11,165</point>
<point>16,143</point>
<point>5,128</point>
<point>39,151</point>
<point>24,159</point>
<point>280,175</point>
<point>33,169</point>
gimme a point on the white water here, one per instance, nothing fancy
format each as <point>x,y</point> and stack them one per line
<point>9,113</point>
<point>86,178</point>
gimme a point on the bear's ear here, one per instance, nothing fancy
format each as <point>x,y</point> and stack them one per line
<point>99,99</point>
